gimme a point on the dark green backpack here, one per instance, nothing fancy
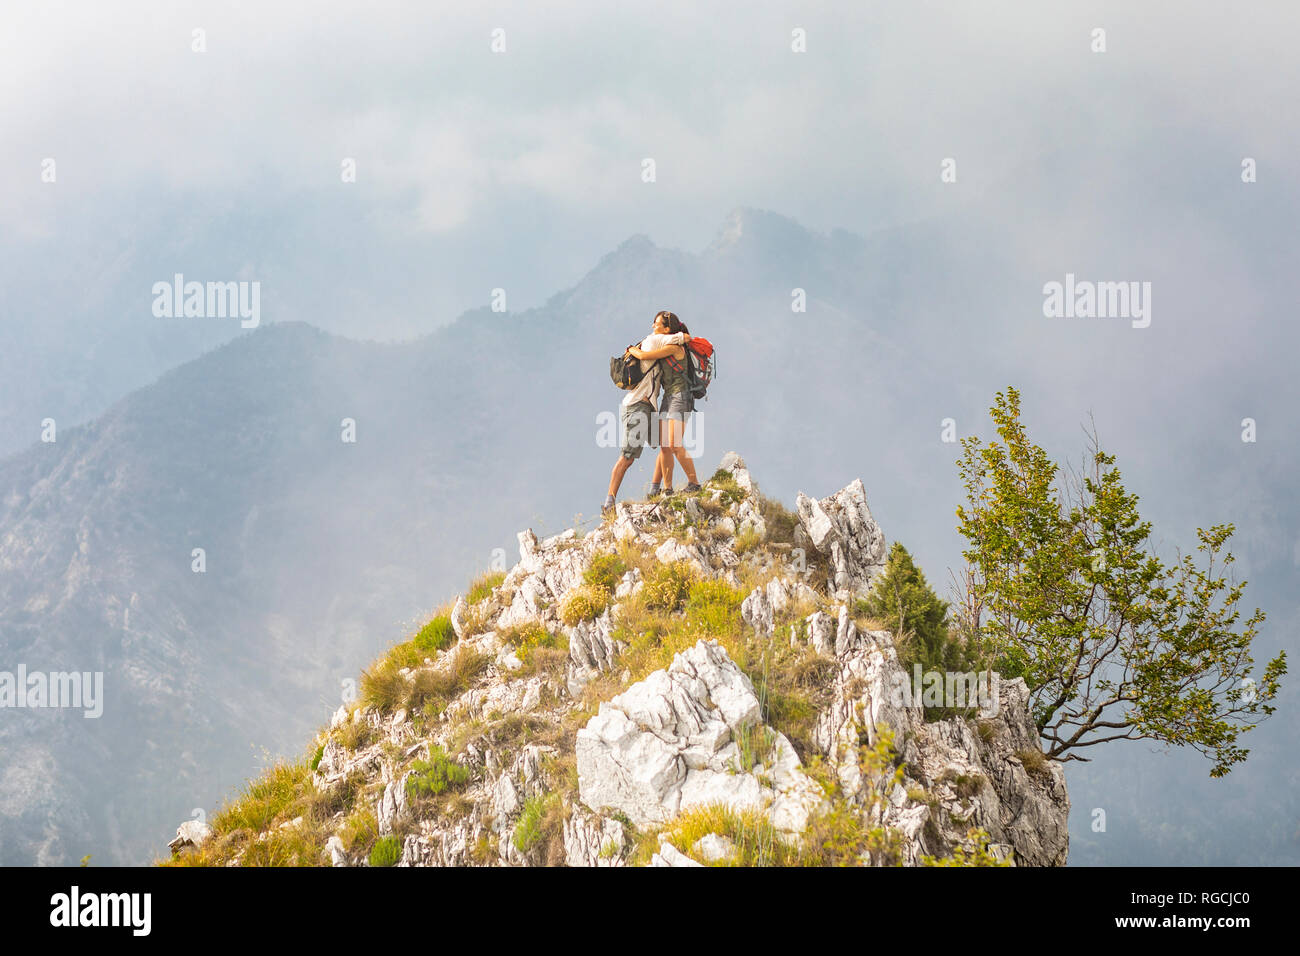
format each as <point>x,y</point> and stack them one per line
<point>625,370</point>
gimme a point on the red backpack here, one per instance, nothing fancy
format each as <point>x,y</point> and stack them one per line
<point>700,364</point>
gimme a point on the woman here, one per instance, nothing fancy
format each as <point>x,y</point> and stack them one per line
<point>675,405</point>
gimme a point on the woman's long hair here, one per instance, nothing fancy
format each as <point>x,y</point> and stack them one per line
<point>674,324</point>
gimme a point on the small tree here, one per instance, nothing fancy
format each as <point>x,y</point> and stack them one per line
<point>1113,644</point>
<point>902,598</point>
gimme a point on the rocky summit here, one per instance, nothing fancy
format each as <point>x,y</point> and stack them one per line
<point>692,682</point>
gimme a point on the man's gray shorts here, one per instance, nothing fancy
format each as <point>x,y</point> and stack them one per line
<point>636,428</point>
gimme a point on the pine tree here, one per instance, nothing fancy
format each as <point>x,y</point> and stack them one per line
<point>903,599</point>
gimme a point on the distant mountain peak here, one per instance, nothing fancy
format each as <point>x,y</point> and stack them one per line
<point>745,225</point>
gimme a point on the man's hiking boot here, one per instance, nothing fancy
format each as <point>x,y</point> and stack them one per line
<point>608,506</point>
<point>693,486</point>
<point>654,492</point>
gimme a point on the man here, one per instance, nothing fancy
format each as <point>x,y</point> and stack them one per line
<point>636,416</point>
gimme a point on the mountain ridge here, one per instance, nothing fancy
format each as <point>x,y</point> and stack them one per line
<point>476,741</point>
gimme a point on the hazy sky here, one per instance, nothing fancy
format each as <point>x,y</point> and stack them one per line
<point>519,169</point>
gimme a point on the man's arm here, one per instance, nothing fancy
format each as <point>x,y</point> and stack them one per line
<point>656,353</point>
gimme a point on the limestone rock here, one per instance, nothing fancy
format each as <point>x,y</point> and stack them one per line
<point>393,807</point>
<point>733,463</point>
<point>764,604</point>
<point>190,836</point>
<point>673,550</point>
<point>592,651</point>
<point>666,744</point>
<point>669,855</point>
<point>590,840</point>
<point>841,529</point>
<point>978,781</point>
<point>629,584</point>
<point>334,847</point>
<point>712,848</point>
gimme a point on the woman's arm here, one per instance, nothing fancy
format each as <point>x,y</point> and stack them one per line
<point>676,351</point>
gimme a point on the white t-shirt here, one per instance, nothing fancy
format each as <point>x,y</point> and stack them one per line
<point>648,387</point>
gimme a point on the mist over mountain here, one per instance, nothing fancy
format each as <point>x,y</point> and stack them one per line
<point>320,552</point>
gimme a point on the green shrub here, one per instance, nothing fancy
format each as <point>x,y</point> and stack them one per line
<point>541,827</point>
<point>528,830</point>
<point>583,603</point>
<point>437,635</point>
<point>714,607</point>
<point>725,482</point>
<point>903,600</point>
<point>604,572</point>
<point>386,851</point>
<point>315,760</point>
<point>436,775</point>
<point>840,833</point>
<point>668,586</point>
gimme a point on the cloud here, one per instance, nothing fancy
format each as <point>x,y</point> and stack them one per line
<point>851,131</point>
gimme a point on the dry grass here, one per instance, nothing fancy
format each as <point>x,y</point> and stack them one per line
<point>480,589</point>
<point>434,687</point>
<point>1035,762</point>
<point>756,840</point>
<point>383,686</point>
<point>249,827</point>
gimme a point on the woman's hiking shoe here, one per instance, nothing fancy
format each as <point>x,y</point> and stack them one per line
<point>693,486</point>
<point>608,506</point>
<point>654,492</point>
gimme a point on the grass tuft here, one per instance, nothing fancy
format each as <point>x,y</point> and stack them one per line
<point>435,776</point>
<point>481,588</point>
<point>435,687</point>
<point>435,636</point>
<point>386,851</point>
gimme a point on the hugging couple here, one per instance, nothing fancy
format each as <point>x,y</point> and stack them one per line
<point>663,365</point>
